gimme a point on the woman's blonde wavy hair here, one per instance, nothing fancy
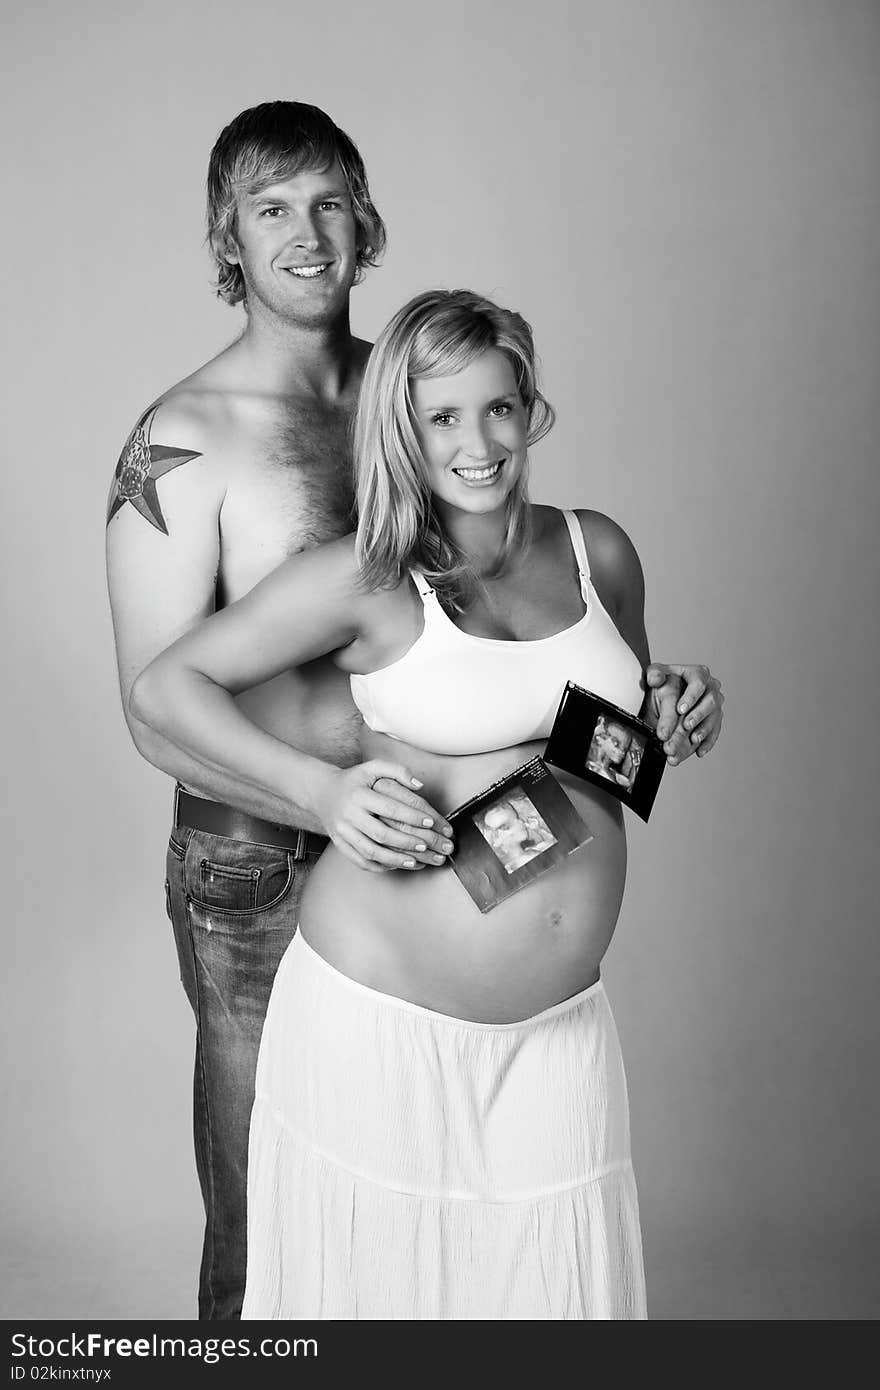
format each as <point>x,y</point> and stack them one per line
<point>437,333</point>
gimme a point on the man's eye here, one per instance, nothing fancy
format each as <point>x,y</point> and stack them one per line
<point>270,212</point>
<point>330,207</point>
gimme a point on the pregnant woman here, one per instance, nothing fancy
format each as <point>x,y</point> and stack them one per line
<point>441,1126</point>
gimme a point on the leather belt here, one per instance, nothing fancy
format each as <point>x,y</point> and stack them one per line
<point>218,819</point>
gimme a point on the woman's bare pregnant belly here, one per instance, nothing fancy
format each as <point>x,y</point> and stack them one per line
<point>419,935</point>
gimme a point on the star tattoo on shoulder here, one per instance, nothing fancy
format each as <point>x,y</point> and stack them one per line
<point>140,465</point>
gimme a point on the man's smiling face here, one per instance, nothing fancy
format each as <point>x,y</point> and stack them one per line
<point>296,244</point>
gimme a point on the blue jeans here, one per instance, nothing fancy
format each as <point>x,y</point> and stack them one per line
<point>234,908</point>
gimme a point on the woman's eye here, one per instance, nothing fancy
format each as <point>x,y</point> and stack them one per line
<point>330,207</point>
<point>270,212</point>
<point>501,411</point>
<point>442,419</point>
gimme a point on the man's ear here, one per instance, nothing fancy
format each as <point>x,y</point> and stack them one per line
<point>225,249</point>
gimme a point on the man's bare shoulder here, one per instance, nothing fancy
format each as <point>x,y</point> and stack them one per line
<point>198,418</point>
<point>222,406</point>
<point>174,432</point>
<point>202,408</point>
<point>206,408</point>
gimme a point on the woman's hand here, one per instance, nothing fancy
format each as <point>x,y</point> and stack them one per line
<point>684,705</point>
<point>356,804</point>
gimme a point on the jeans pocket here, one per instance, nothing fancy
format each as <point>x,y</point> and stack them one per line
<point>235,878</point>
<point>223,886</point>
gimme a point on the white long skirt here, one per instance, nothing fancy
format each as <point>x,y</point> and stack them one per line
<point>405,1164</point>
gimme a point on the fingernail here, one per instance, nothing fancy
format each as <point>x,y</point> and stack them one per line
<point>695,738</point>
<point>689,723</point>
<point>409,863</point>
<point>446,846</point>
<point>427,821</point>
<point>439,859</point>
<point>682,708</point>
<point>415,782</point>
<point>420,848</point>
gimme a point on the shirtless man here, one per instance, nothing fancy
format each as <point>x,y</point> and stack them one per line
<point>227,474</point>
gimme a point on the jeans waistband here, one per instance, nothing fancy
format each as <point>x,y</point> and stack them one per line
<point>216,818</point>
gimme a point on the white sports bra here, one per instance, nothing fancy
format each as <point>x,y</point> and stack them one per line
<point>454,693</point>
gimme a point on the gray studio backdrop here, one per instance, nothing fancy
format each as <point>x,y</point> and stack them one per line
<point>682,197</point>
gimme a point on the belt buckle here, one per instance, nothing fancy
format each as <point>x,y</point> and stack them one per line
<point>302,839</point>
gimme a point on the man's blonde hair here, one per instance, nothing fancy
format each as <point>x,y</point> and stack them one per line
<point>269,144</point>
<point>436,334</point>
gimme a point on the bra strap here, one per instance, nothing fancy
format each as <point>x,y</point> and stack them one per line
<point>422,585</point>
<point>580,551</point>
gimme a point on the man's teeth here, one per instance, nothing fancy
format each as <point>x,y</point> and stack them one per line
<point>307,272</point>
<point>477,475</point>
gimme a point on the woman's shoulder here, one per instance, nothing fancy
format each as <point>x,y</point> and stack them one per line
<point>333,559</point>
<point>608,545</point>
<point>325,575</point>
<point>325,581</point>
<point>606,536</point>
<point>615,568</point>
<point>333,570</point>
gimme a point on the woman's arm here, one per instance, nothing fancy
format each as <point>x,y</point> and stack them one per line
<point>310,606</point>
<point>682,703</point>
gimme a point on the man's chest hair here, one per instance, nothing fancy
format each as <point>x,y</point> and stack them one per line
<point>296,488</point>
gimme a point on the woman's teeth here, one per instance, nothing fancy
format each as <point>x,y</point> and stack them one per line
<point>479,475</point>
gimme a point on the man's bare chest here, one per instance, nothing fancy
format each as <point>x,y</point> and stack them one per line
<point>289,488</point>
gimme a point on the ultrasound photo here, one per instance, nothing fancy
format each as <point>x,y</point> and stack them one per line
<point>615,752</point>
<point>514,829</point>
<point>510,833</point>
<point>608,747</point>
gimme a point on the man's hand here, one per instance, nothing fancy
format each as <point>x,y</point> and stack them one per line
<point>684,705</point>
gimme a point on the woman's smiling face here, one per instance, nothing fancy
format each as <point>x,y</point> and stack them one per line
<point>473,431</point>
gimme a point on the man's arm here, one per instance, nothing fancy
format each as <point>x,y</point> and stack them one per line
<point>163,553</point>
<point>309,606</point>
